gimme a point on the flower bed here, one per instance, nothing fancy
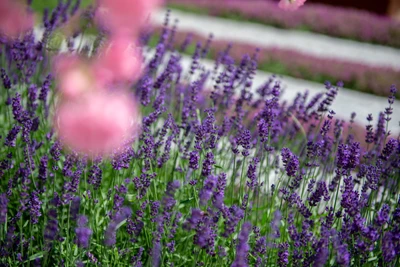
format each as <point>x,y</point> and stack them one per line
<point>344,23</point>
<point>235,177</point>
<point>356,76</point>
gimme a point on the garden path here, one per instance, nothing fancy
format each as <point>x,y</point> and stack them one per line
<point>308,43</point>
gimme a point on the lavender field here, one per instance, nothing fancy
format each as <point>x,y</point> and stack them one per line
<point>119,154</point>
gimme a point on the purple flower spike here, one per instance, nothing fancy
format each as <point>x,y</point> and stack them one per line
<point>193,220</point>
<point>35,207</point>
<point>12,136</point>
<point>290,162</point>
<point>388,247</point>
<point>207,164</point>
<point>156,254</point>
<point>51,230</point>
<point>206,193</point>
<point>5,78</point>
<point>194,160</point>
<point>3,208</point>
<point>75,206</point>
<point>219,194</point>
<point>252,173</point>
<point>82,232</point>
<point>283,254</point>
<point>320,191</point>
<point>110,235</point>
<point>242,248</point>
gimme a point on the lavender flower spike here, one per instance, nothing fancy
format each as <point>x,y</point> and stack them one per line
<point>3,208</point>
<point>82,232</point>
<point>242,248</point>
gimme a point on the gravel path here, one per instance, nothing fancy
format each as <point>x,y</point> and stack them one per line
<point>305,42</point>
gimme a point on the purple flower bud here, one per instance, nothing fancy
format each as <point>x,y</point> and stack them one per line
<point>350,198</point>
<point>193,220</point>
<point>383,216</point>
<point>95,176</point>
<point>206,192</point>
<point>5,78</point>
<point>35,207</point>
<point>51,230</point>
<point>156,253</point>
<point>45,88</point>
<point>263,130</point>
<point>12,136</point>
<point>283,254</point>
<point>55,151</point>
<point>329,97</point>
<point>242,248</point>
<point>343,255</point>
<point>320,191</point>
<point>348,157</point>
<point>82,232</point>
<point>145,88</point>
<point>3,208</point>
<point>219,194</point>
<point>389,149</point>
<point>110,235</point>
<point>207,164</point>
<point>17,109</point>
<point>43,168</point>
<point>168,200</point>
<point>155,206</point>
<point>75,206</point>
<point>75,8</point>
<point>92,258</point>
<point>232,217</point>
<point>194,160</point>
<point>275,224</point>
<point>252,173</point>
<point>388,247</point>
<point>290,162</point>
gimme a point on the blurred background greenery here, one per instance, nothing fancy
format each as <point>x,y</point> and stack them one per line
<point>40,5</point>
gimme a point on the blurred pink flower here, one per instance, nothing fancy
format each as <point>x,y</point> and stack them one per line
<point>291,4</point>
<point>124,16</point>
<point>98,123</point>
<point>14,18</point>
<point>73,75</point>
<point>118,61</point>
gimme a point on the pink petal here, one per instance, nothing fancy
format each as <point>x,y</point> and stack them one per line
<point>97,123</point>
<point>73,76</point>
<point>118,61</point>
<point>126,16</point>
<point>14,18</point>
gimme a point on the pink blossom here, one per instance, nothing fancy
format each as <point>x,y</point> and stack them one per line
<point>126,16</point>
<point>118,61</point>
<point>73,75</point>
<point>291,5</point>
<point>14,18</point>
<point>97,123</point>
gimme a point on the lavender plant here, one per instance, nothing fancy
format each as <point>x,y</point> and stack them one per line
<point>222,174</point>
